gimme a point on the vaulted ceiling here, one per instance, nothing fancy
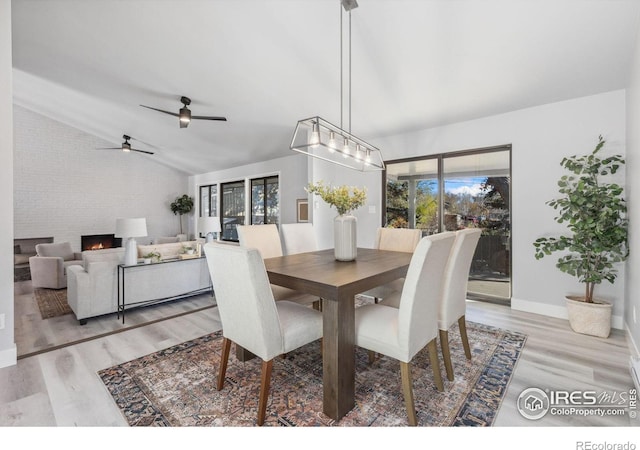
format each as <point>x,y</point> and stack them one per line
<point>265,64</point>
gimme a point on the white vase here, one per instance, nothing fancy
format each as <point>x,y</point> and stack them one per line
<point>344,237</point>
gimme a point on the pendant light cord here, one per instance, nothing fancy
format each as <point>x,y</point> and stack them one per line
<point>342,71</point>
<point>349,71</point>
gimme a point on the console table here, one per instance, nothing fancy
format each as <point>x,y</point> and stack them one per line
<point>157,268</point>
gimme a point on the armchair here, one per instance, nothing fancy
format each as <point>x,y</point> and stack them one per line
<point>49,266</point>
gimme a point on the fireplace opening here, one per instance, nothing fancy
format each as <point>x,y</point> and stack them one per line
<point>100,241</point>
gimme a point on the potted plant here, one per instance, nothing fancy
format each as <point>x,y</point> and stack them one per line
<point>151,257</point>
<point>345,199</point>
<point>594,212</point>
<point>188,249</point>
<point>181,206</point>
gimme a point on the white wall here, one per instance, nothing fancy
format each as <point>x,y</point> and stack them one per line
<point>368,216</point>
<point>540,137</point>
<point>65,188</point>
<point>8,353</point>
<point>632,300</point>
<point>292,173</point>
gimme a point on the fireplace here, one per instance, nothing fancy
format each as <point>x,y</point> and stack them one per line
<point>100,241</point>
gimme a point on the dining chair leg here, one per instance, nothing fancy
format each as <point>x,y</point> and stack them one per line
<point>435,364</point>
<point>407,390</point>
<point>224,358</point>
<point>265,382</point>
<point>372,356</point>
<point>462,325</point>
<point>446,353</point>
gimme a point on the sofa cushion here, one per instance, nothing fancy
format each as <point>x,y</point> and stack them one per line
<point>166,240</point>
<point>114,255</point>
<point>166,251</point>
<point>60,250</point>
<point>21,259</point>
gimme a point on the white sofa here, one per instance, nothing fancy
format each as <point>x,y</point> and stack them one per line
<point>92,288</point>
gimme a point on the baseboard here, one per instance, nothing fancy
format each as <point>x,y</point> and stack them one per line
<point>9,356</point>
<point>559,312</point>
<point>633,346</point>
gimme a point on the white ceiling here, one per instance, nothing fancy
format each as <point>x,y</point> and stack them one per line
<point>265,64</point>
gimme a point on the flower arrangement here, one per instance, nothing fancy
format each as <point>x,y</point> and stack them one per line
<point>343,198</point>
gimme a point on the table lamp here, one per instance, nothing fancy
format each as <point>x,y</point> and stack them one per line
<point>130,229</point>
<point>209,225</point>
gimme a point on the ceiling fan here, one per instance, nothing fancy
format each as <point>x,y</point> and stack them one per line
<point>185,113</point>
<point>126,146</point>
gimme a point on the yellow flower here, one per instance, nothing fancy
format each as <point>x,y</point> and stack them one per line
<point>343,198</point>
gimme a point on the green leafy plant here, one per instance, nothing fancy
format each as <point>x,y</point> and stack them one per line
<point>595,214</point>
<point>152,255</point>
<point>344,198</point>
<point>182,205</point>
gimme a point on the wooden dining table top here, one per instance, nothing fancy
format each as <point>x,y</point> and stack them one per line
<point>337,283</point>
<point>319,273</point>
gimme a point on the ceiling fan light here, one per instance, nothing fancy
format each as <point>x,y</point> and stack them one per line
<point>126,147</point>
<point>185,117</point>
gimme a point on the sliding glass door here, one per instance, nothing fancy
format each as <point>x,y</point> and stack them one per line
<point>451,191</point>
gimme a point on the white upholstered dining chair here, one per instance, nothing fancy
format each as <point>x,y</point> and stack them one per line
<point>399,240</point>
<point>251,317</point>
<point>266,239</point>
<point>402,332</point>
<point>453,305</point>
<point>298,238</point>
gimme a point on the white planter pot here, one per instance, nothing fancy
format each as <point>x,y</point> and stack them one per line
<point>344,237</point>
<point>593,319</point>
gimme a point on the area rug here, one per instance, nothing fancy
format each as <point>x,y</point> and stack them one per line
<point>52,302</point>
<point>176,386</point>
<point>21,274</point>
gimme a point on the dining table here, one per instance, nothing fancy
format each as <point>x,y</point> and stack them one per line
<point>337,283</point>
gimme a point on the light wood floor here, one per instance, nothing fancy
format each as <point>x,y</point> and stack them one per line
<point>60,387</point>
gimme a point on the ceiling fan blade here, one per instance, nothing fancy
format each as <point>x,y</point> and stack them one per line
<point>141,151</point>
<point>209,118</point>
<point>109,148</point>
<point>161,110</point>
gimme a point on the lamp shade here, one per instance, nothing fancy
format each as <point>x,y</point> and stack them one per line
<point>128,228</point>
<point>209,224</point>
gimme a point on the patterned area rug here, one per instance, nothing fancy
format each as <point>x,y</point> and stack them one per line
<point>52,302</point>
<point>21,274</point>
<point>176,386</point>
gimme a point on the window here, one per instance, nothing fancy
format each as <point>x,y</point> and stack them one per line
<point>232,208</point>
<point>264,200</point>
<point>264,203</point>
<point>209,200</point>
<point>450,191</point>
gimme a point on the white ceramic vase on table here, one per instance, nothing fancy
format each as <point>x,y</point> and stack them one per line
<point>344,237</point>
